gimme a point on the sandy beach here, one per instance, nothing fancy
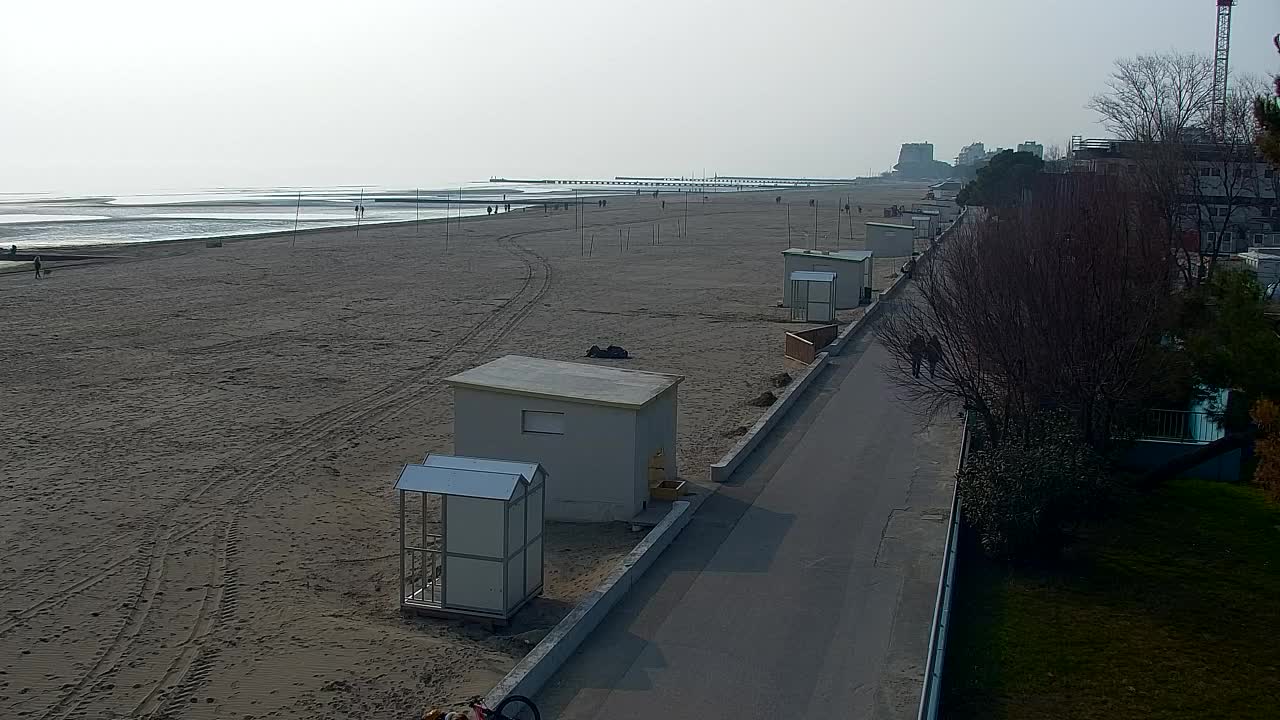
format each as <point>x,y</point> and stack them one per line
<point>199,444</point>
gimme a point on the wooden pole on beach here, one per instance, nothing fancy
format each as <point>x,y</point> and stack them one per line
<point>839,217</point>
<point>815,225</point>
<point>847,202</point>
<point>684,230</point>
<point>417,220</point>
<point>448,213</point>
<point>296,212</point>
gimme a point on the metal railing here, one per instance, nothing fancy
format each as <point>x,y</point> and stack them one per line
<point>931,694</point>
<point>1183,426</point>
<point>423,579</point>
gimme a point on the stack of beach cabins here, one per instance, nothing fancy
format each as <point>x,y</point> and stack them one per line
<point>534,440</point>
<point>817,283</point>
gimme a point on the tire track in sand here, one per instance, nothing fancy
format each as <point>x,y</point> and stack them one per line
<point>189,670</point>
<point>177,680</point>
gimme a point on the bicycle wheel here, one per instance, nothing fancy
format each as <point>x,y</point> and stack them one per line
<point>516,707</point>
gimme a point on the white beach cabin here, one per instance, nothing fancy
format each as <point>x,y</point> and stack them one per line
<point>851,267</point>
<point>813,296</point>
<point>595,429</point>
<point>947,212</point>
<point>486,559</point>
<point>923,226</point>
<point>890,240</point>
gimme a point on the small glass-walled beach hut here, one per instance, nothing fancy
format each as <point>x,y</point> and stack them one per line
<point>813,296</point>
<point>485,561</point>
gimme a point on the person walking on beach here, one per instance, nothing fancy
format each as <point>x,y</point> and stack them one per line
<point>37,264</point>
<point>917,349</point>
<point>933,353</point>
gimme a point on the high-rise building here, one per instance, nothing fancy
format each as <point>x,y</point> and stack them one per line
<point>915,153</point>
<point>1032,147</point>
<point>971,154</point>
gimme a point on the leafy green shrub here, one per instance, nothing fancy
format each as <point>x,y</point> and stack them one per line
<point>1024,496</point>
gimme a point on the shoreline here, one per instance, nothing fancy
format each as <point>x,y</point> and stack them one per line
<point>237,236</point>
<point>266,235</point>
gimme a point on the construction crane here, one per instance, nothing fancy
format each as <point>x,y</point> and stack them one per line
<point>1221,66</point>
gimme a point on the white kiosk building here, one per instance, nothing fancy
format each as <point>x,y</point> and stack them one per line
<point>486,559</point>
<point>891,240</point>
<point>852,269</point>
<point>595,430</point>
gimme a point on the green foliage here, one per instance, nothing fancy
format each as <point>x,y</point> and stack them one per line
<point>1001,182</point>
<point>1023,495</point>
<point>930,170</point>
<point>1228,338</point>
<point>1163,612</point>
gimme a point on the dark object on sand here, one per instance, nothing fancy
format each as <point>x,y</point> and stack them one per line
<point>764,399</point>
<point>782,379</point>
<point>613,352</point>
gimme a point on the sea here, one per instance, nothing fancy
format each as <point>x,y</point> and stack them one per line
<point>50,220</point>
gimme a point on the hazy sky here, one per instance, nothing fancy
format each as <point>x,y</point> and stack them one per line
<point>132,95</point>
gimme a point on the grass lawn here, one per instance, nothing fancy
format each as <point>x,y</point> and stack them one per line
<point>1170,610</point>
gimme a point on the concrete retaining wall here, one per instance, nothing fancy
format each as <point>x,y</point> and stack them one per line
<point>1147,454</point>
<point>532,672</point>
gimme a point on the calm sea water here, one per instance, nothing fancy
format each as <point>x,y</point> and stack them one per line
<point>52,221</point>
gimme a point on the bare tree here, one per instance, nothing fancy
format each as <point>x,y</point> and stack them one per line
<point>1057,306</point>
<point>1205,186</point>
<point>1225,181</point>
<point>1157,97</point>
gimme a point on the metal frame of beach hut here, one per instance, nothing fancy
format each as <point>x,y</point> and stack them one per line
<point>487,560</point>
<point>923,225</point>
<point>813,296</point>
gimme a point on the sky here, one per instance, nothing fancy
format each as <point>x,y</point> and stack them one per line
<point>134,95</point>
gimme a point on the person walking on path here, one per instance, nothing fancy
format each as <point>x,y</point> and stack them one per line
<point>917,349</point>
<point>37,264</point>
<point>933,353</point>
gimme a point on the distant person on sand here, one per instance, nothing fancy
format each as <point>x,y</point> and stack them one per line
<point>37,264</point>
<point>916,348</point>
<point>13,249</point>
<point>933,353</point>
